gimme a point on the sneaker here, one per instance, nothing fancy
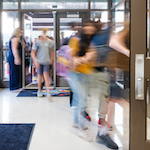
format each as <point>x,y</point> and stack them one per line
<point>103,123</point>
<point>106,140</point>
<point>49,97</point>
<point>75,125</point>
<point>85,115</point>
<point>34,78</point>
<point>84,135</point>
<point>39,93</point>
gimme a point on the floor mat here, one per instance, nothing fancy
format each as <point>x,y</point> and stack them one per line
<point>53,92</point>
<point>15,136</point>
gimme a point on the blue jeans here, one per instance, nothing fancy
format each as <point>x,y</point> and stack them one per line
<point>78,84</point>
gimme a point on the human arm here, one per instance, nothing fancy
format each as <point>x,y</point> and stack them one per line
<point>52,55</point>
<point>23,43</point>
<point>117,42</point>
<point>78,60</point>
<point>33,55</point>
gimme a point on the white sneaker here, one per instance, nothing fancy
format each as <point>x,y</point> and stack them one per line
<point>84,135</point>
<point>75,125</point>
<point>39,93</point>
<point>49,97</point>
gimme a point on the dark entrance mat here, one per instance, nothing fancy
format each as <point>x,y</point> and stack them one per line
<point>53,92</point>
<point>28,93</point>
<point>15,136</point>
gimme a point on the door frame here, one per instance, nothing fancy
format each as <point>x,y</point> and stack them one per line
<point>138,112</point>
<point>56,15</point>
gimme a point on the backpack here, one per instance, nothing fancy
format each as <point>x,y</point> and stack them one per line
<point>63,58</point>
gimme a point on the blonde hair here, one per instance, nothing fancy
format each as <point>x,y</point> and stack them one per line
<point>16,32</point>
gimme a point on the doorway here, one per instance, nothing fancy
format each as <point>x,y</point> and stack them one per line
<point>32,23</point>
<point>57,23</point>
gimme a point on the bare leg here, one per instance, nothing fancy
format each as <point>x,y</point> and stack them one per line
<point>47,83</point>
<point>40,81</point>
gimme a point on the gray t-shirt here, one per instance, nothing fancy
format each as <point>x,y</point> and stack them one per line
<point>43,51</point>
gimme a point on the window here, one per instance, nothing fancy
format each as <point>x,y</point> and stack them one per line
<point>103,15</point>
<point>10,4</point>
<point>54,4</point>
<point>99,4</point>
<point>9,23</point>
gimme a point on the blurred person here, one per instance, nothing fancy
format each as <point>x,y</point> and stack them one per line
<point>79,75</point>
<point>101,80</point>
<point>62,38</point>
<point>14,58</point>
<point>120,40</point>
<point>51,38</point>
<point>100,42</point>
<point>33,65</point>
<point>120,43</point>
<point>87,71</point>
<point>34,40</point>
<point>51,65</point>
<point>27,54</point>
<point>42,55</point>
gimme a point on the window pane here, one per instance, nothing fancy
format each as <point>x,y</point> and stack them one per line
<point>54,4</point>
<point>120,7</point>
<point>115,2</point>
<point>103,15</point>
<point>10,4</point>
<point>9,23</point>
<point>99,4</point>
<point>119,16</point>
<point>65,29</point>
<point>5,66</point>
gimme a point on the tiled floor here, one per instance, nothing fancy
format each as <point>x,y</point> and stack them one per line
<point>53,129</point>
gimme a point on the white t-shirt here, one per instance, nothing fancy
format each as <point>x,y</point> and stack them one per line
<point>43,51</point>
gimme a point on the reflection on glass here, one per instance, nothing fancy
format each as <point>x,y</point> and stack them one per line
<point>5,65</point>
<point>68,28</point>
<point>115,2</point>
<point>10,4</point>
<point>54,4</point>
<point>148,33</point>
<point>119,16</point>
<point>9,23</point>
<point>148,110</point>
<point>103,15</point>
<point>120,7</point>
<point>101,4</point>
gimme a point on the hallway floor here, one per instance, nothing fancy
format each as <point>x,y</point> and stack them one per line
<point>53,121</point>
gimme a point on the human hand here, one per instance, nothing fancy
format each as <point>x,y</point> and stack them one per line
<point>37,64</point>
<point>17,61</point>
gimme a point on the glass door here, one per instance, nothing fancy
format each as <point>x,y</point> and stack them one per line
<point>69,24</point>
<point>8,24</point>
<point>140,76</point>
<point>33,23</point>
<point>27,65</point>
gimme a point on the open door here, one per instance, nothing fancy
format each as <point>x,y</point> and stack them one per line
<point>140,76</point>
<point>68,25</point>
<point>27,62</point>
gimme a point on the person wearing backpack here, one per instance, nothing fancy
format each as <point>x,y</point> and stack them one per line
<point>78,74</point>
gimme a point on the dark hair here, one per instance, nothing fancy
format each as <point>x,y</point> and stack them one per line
<point>84,42</point>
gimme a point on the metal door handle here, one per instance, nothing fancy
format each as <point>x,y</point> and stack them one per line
<point>139,76</point>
